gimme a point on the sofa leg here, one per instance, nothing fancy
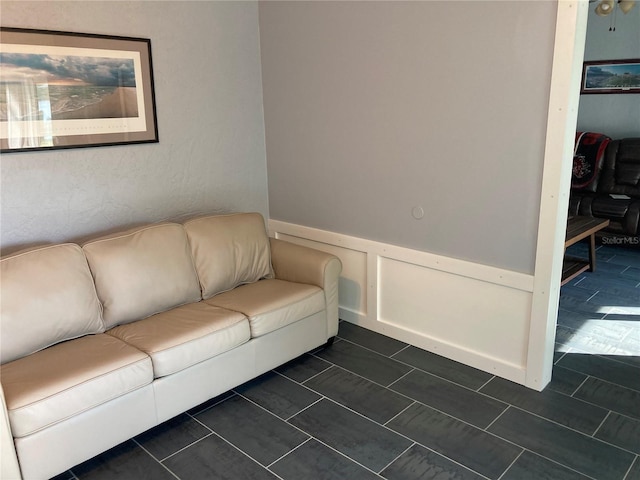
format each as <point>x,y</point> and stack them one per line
<point>329,342</point>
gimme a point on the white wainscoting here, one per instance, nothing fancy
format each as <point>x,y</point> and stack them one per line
<point>472,313</point>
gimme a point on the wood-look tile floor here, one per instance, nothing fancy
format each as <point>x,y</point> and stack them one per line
<point>372,407</point>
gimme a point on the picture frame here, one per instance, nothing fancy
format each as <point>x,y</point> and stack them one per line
<point>611,76</point>
<point>68,90</point>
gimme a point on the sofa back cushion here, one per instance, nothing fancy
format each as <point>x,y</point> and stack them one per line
<point>621,170</point>
<point>47,297</point>
<point>143,271</point>
<point>229,250</point>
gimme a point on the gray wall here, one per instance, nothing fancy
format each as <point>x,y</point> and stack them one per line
<point>211,155</point>
<point>374,108</point>
<point>615,115</point>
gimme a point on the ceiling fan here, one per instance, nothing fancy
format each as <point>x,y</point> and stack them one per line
<point>607,7</point>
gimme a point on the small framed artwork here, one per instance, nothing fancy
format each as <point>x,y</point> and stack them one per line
<point>611,76</point>
<point>65,90</point>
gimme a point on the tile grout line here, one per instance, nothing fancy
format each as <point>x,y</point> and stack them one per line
<point>245,454</point>
<point>372,350</point>
<point>593,435</point>
<point>626,475</point>
<point>396,458</point>
<point>400,412</point>
<point>406,347</point>
<point>413,369</point>
<point>484,385</point>
<point>311,437</point>
<point>486,429</point>
<point>587,377</point>
<point>289,452</point>
<point>512,464</point>
<point>154,457</point>
<point>599,440</point>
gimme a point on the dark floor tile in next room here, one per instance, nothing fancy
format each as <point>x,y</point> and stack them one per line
<point>604,368</point>
<point>253,430</point>
<point>472,447</point>
<point>127,461</point>
<point>358,438</point>
<point>573,449</point>
<point>364,362</point>
<point>420,463</point>
<point>565,381</point>
<point>313,460</point>
<point>214,458</point>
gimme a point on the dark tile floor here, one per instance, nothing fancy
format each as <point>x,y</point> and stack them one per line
<point>372,407</point>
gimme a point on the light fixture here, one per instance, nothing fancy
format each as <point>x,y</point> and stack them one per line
<point>604,8</point>
<point>626,5</point>
<point>607,7</point>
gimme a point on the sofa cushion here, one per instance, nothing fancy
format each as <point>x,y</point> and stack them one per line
<point>272,304</point>
<point>47,296</point>
<point>184,336</point>
<point>69,378</point>
<point>621,169</point>
<point>229,250</point>
<point>142,272</point>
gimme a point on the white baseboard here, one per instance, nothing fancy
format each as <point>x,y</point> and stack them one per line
<point>475,314</point>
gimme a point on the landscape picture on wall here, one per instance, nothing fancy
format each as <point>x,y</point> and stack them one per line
<point>613,76</point>
<point>62,90</point>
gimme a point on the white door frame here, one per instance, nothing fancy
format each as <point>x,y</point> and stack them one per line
<point>571,27</point>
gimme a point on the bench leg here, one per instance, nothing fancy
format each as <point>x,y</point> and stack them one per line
<point>592,252</point>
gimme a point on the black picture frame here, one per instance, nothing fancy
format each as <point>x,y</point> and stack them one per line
<point>69,90</point>
<point>611,76</point>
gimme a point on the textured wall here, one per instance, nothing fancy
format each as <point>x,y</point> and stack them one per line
<point>211,155</point>
<point>378,111</point>
<point>615,115</point>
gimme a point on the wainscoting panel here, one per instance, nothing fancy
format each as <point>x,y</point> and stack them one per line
<point>475,314</point>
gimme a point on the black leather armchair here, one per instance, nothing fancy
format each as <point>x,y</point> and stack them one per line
<point>614,191</point>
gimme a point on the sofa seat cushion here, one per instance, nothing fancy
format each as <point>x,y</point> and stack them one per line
<point>186,335</point>
<point>69,378</point>
<point>271,304</point>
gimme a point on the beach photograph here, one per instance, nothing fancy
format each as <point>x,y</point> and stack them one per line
<point>619,76</point>
<point>66,87</point>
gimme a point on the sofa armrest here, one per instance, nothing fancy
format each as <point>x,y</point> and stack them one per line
<point>296,263</point>
<point>9,467</point>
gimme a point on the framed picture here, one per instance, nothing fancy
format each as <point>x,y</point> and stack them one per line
<point>65,90</point>
<point>611,76</point>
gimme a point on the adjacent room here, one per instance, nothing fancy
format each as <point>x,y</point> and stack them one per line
<point>375,200</point>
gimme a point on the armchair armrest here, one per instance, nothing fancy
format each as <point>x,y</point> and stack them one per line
<point>9,467</point>
<point>296,263</point>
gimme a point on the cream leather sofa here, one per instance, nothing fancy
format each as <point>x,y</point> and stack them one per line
<point>102,342</point>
